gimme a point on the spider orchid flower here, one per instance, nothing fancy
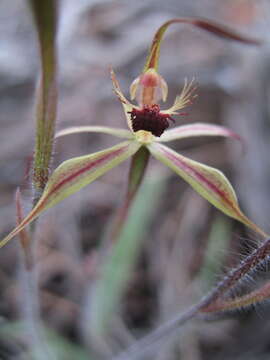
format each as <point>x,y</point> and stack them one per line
<point>147,128</point>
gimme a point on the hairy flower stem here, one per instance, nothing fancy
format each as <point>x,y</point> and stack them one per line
<point>149,344</point>
<point>45,17</point>
<point>136,173</point>
<point>250,263</point>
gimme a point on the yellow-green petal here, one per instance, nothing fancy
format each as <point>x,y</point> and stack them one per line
<point>121,133</point>
<point>74,174</point>
<point>207,181</point>
<point>195,130</point>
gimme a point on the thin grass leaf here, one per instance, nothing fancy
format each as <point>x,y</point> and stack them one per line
<point>118,267</point>
<point>121,133</point>
<point>216,29</point>
<point>74,174</point>
<point>24,236</point>
<point>45,17</point>
<point>197,129</point>
<point>25,239</point>
<point>256,296</point>
<point>207,181</point>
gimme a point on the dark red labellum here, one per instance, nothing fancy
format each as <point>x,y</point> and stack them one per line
<point>150,119</point>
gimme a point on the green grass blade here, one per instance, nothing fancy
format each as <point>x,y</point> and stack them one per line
<point>119,266</point>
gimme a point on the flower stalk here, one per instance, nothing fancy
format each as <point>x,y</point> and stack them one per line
<point>137,170</point>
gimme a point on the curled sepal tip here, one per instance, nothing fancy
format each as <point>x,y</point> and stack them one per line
<point>207,181</point>
<point>74,174</point>
<point>212,27</point>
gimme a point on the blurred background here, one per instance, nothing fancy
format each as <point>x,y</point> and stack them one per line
<point>184,245</point>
